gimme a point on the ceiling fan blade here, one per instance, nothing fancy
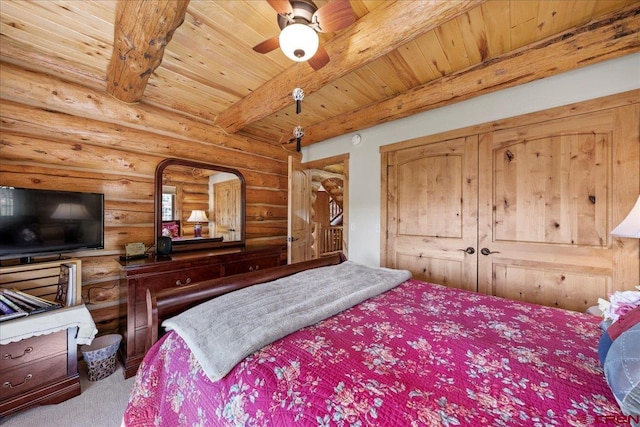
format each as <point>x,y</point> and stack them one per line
<point>283,7</point>
<point>334,16</point>
<point>268,45</point>
<point>320,59</point>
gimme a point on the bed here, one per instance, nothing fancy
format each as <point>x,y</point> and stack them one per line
<point>416,354</point>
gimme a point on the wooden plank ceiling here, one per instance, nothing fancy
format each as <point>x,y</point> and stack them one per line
<point>398,58</point>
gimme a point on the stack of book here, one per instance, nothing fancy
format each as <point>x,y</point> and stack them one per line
<point>14,303</point>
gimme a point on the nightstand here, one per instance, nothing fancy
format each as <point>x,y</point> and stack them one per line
<point>39,357</point>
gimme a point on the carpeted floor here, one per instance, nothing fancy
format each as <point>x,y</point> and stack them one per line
<point>101,404</point>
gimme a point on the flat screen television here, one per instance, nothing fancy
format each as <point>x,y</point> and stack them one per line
<point>45,222</point>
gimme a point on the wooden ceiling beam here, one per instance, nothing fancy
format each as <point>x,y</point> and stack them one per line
<point>608,37</point>
<point>142,30</point>
<point>53,94</point>
<point>385,29</point>
<point>20,53</point>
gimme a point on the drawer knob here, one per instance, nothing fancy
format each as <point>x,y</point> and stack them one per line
<point>7,384</point>
<point>186,282</point>
<point>26,351</point>
<point>254,268</point>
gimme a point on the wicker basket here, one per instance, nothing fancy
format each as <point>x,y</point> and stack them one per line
<point>100,356</point>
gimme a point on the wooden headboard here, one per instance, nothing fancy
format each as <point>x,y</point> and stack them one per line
<point>166,303</point>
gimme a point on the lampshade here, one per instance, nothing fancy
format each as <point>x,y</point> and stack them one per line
<point>630,226</point>
<point>299,42</point>
<point>70,211</point>
<point>198,216</point>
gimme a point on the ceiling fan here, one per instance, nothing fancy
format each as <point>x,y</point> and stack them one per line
<point>300,22</point>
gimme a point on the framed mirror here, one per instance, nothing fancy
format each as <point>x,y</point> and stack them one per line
<point>199,205</point>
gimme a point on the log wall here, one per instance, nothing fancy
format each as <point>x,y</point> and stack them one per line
<point>192,192</point>
<point>60,135</point>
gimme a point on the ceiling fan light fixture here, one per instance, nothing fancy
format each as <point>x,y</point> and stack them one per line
<point>299,42</point>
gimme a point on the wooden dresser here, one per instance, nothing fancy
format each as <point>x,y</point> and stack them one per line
<point>177,270</point>
<point>39,370</point>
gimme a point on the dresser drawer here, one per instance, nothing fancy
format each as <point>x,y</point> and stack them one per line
<point>32,375</point>
<point>248,265</point>
<point>30,349</point>
<point>174,278</point>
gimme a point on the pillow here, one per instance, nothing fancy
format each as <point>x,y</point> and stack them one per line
<point>622,370</point>
<point>620,303</point>
<point>603,347</point>
<point>624,322</point>
<point>171,228</point>
<point>613,330</point>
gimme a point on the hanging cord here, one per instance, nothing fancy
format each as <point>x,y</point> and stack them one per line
<point>104,288</point>
<point>298,96</point>
<point>299,103</point>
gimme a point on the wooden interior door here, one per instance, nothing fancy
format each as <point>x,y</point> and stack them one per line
<point>546,205</point>
<point>227,216</point>
<point>298,224</point>
<point>432,212</point>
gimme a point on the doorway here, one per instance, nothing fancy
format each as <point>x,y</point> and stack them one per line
<point>318,208</point>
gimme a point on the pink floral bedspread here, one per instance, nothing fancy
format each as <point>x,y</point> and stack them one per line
<point>418,355</point>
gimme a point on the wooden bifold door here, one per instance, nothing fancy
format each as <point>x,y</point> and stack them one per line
<point>522,212</point>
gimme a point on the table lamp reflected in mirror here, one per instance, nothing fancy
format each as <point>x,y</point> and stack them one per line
<point>197,216</point>
<point>72,215</point>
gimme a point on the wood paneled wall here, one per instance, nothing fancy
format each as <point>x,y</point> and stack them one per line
<point>61,135</point>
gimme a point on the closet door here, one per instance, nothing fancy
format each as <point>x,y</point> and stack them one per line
<point>546,208</point>
<point>432,212</point>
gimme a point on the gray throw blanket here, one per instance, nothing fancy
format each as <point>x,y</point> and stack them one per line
<point>223,331</point>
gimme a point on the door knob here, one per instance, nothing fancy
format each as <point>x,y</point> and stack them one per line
<point>486,251</point>
<point>469,250</point>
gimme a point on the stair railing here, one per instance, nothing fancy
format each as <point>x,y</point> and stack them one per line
<point>328,239</point>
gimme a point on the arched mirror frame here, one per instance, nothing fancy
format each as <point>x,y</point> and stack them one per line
<point>199,243</point>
